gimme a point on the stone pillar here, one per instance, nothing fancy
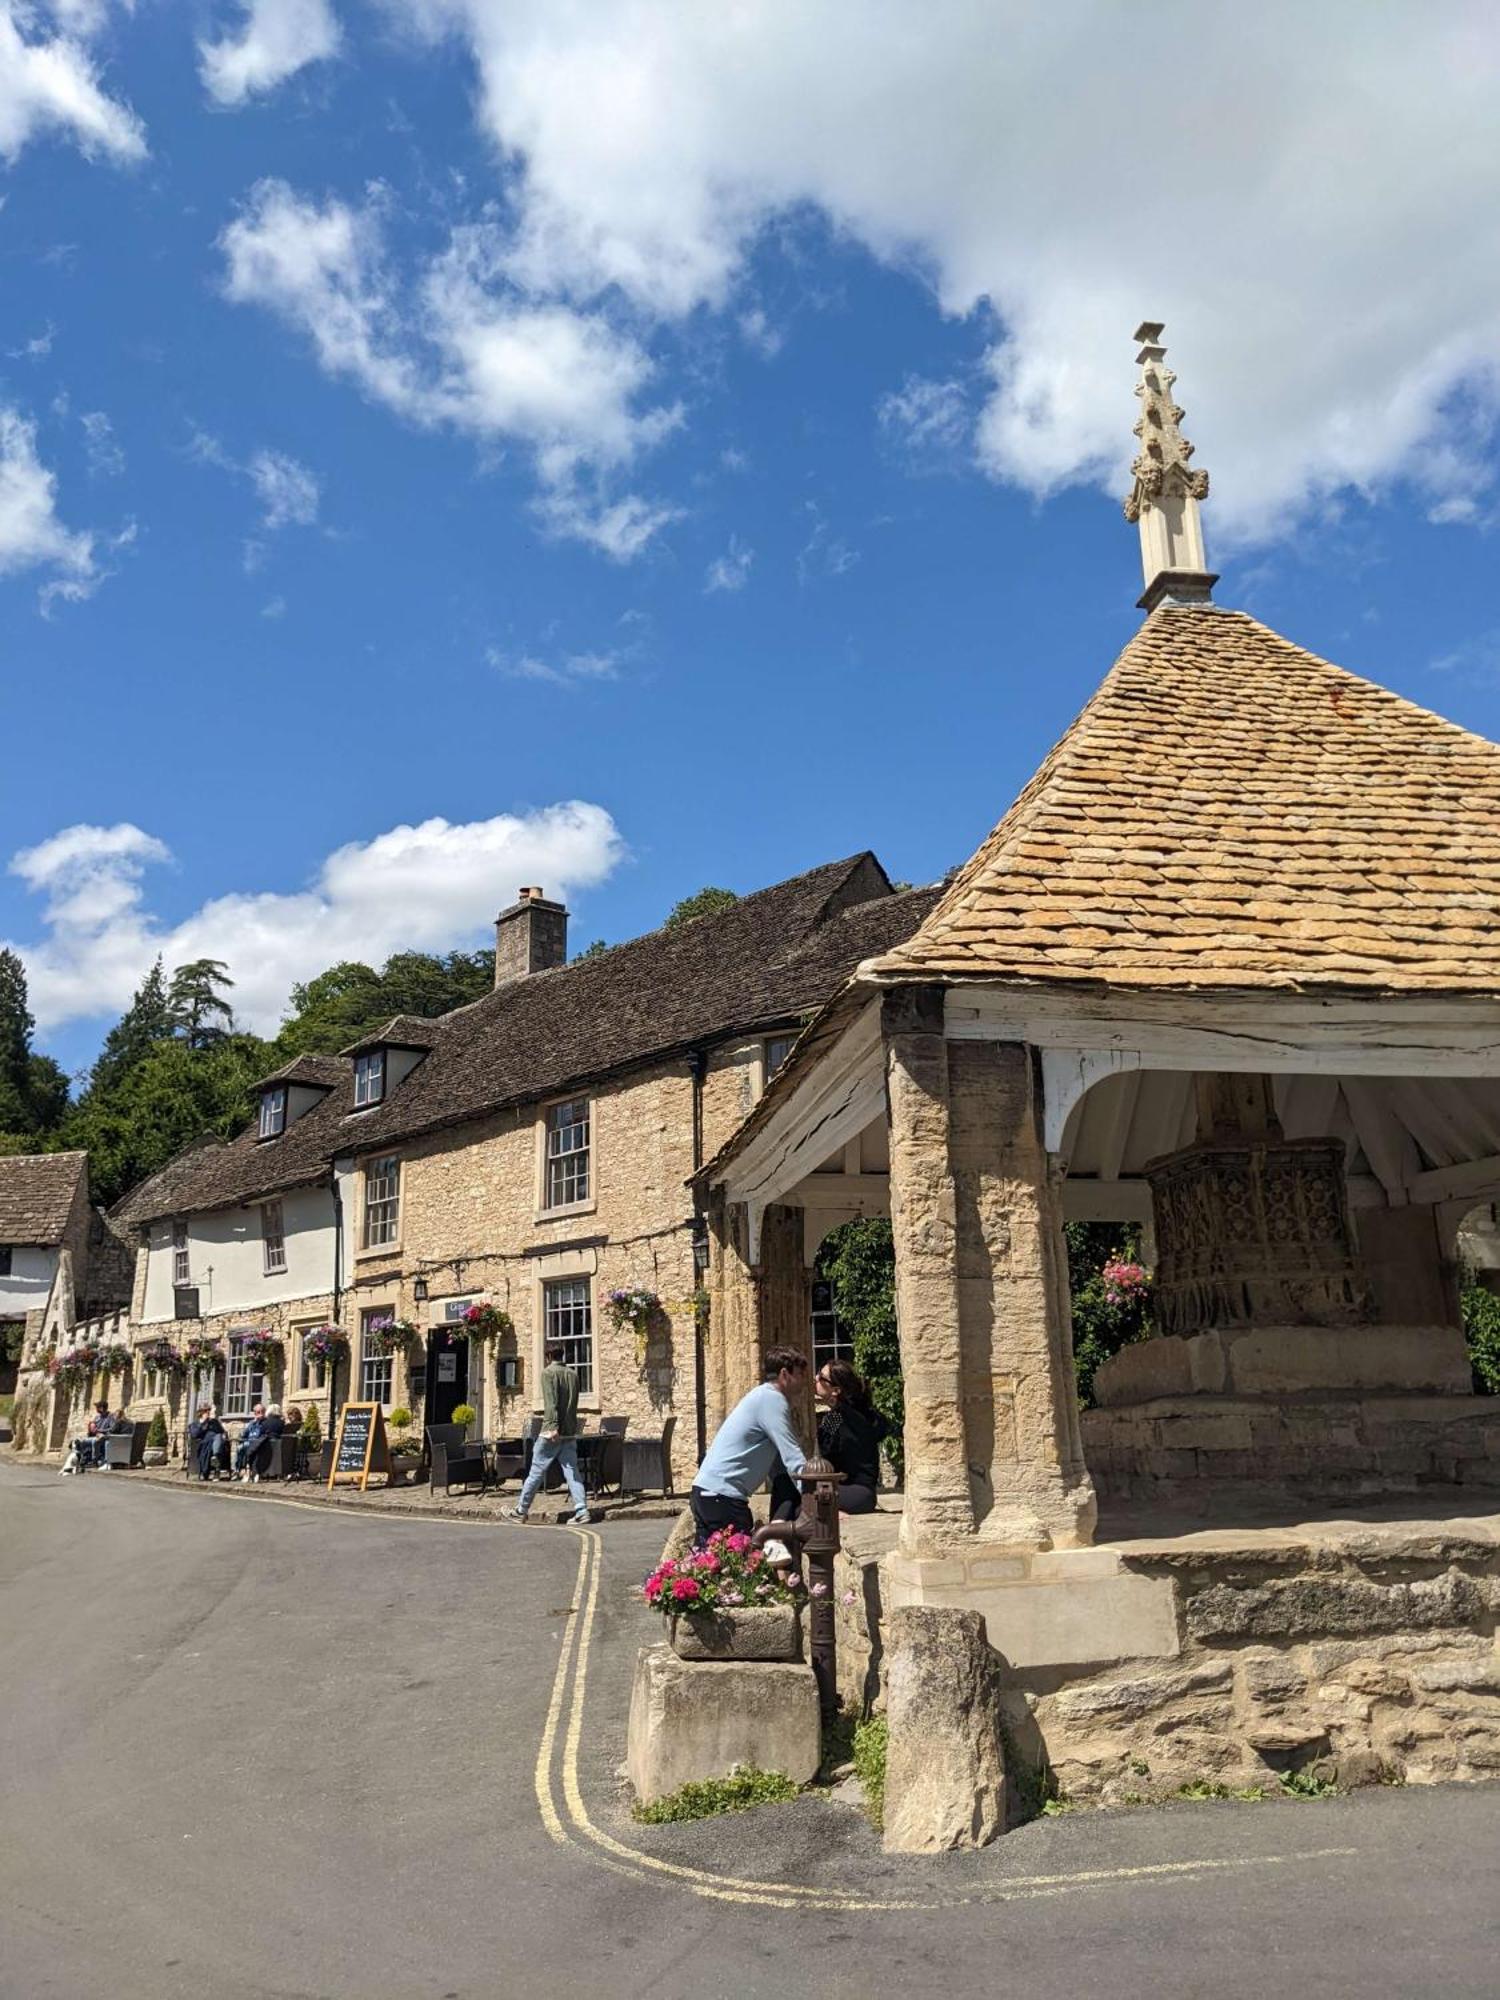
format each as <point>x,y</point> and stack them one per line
<point>785,1297</point>
<point>732,1363</point>
<point>993,1446</point>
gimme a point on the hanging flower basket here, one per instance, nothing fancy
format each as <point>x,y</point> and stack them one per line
<point>163,1358</point>
<point>324,1344</point>
<point>114,1359</point>
<point>262,1349</point>
<point>388,1336</point>
<point>73,1369</point>
<point>635,1307</point>
<point>486,1322</point>
<point>203,1356</point>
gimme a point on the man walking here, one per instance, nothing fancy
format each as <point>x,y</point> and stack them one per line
<point>757,1432</point>
<point>558,1442</point>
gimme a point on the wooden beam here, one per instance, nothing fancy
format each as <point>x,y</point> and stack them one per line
<point>1116,1138</point>
<point>1386,1143</point>
<point>1087,1199</point>
<point>1478,1179</point>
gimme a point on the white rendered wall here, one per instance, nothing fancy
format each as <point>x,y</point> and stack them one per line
<point>31,1273</point>
<point>226,1257</point>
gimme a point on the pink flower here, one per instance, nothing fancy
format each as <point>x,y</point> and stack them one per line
<point>709,1563</point>
<point>738,1544</point>
<point>684,1589</point>
<point>820,1590</point>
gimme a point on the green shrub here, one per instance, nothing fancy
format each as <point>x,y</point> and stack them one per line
<point>1101,1328</point>
<point>859,1260</point>
<point>871,1738</point>
<point>312,1429</point>
<point>1481,1310</point>
<point>156,1434</point>
<point>464,1414</point>
<point>744,1788</point>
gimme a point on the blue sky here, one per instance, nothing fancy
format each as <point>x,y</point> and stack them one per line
<point>448,412</point>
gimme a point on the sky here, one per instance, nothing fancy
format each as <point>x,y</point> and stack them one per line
<point>453,444</point>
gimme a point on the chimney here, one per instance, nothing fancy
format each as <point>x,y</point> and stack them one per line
<point>531,936</point>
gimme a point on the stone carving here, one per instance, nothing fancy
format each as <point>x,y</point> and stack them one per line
<point>1161,465</point>
<point>1254,1233</point>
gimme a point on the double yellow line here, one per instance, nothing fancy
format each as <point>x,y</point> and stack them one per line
<point>571,1825</point>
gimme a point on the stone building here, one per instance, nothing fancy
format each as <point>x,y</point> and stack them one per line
<point>530,1151</point>
<point>1229,966</point>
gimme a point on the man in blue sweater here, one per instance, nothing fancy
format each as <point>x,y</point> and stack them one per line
<point>757,1432</point>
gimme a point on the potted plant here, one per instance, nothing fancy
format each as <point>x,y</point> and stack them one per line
<point>465,1415</point>
<point>634,1306</point>
<point>161,1358</point>
<point>404,1446</point>
<point>261,1349</point>
<point>389,1336</point>
<point>728,1602</point>
<point>114,1360</point>
<point>323,1348</point>
<point>484,1321</point>
<point>156,1440</point>
<point>203,1356</point>
<point>312,1430</point>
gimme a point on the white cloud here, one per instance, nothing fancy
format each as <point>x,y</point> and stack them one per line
<point>106,460</point>
<point>823,553</point>
<point>462,348</point>
<point>288,492</point>
<point>1325,297</point>
<point>50,85</point>
<point>37,348</point>
<point>730,571</point>
<point>571,670</point>
<point>277,38</point>
<point>31,535</point>
<point>429,887</point>
<point>929,420</point>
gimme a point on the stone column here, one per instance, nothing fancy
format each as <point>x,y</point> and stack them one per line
<point>993,1445</point>
<point>732,1362</point>
<point>785,1297</point>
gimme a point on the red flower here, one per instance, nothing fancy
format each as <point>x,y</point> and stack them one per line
<point>684,1589</point>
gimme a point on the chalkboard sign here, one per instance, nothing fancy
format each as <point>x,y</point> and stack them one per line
<point>361,1447</point>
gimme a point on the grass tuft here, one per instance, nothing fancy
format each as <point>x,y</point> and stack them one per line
<point>744,1789</point>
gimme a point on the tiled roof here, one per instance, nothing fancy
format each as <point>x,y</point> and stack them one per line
<point>36,1195</point>
<point>1231,811</point>
<point>321,1071</point>
<point>773,957</point>
<point>402,1031</point>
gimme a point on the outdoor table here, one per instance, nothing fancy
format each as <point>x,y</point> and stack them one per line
<point>591,1447</point>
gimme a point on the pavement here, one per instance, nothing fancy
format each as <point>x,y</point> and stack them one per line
<point>260,1747</point>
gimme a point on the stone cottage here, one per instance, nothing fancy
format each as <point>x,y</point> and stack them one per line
<point>1229,966</point>
<point>530,1151</point>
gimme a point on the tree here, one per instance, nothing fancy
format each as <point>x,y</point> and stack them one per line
<point>350,1000</point>
<point>198,1009</point>
<point>1103,1320</point>
<point>175,1093</point>
<point>859,1260</point>
<point>145,1022</point>
<point>595,950</point>
<point>707,903</point>
<point>33,1089</point>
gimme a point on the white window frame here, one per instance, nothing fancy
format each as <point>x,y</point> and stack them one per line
<point>272,1239</point>
<point>560,1322</point>
<point>238,1374</point>
<point>182,1263</point>
<point>273,1112</point>
<point>369,1078</point>
<point>376,1371</point>
<point>561,1156</point>
<point>302,1366</point>
<point>382,1210</point>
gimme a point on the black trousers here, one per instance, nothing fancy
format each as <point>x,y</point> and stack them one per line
<point>786,1498</point>
<point>712,1511</point>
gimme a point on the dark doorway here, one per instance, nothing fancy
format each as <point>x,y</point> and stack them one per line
<point>447,1375</point>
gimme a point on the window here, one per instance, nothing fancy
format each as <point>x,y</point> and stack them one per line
<point>306,1367</point>
<point>375,1370</point>
<point>181,1270</point>
<point>272,1237</point>
<point>244,1386</point>
<point>382,1202</point>
<point>567,1177</point>
<point>273,1112</point>
<point>829,1340</point>
<point>778,1048</point>
<point>4,1260</point>
<point>568,1317</point>
<point>369,1078</point>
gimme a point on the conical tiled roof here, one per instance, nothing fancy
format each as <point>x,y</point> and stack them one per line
<point>1231,811</point>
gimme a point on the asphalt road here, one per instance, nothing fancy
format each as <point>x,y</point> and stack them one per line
<point>254,1749</point>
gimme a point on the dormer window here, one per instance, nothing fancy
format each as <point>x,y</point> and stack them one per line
<point>273,1112</point>
<point>369,1078</point>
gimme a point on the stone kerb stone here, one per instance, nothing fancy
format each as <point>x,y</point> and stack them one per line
<point>945,1761</point>
<point>691,1721</point>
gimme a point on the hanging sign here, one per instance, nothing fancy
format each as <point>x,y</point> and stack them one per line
<point>361,1446</point>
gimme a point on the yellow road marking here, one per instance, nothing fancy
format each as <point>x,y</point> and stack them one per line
<point>544,1796</point>
<point>633,1861</point>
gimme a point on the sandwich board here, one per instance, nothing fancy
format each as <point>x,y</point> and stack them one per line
<point>361,1446</point>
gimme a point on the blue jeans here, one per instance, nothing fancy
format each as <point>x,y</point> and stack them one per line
<point>543,1452</point>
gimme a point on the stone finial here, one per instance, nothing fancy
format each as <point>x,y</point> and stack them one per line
<point>1164,499</point>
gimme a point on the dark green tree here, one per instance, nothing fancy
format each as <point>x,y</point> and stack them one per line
<point>196,1003</point>
<point>859,1260</point>
<point>33,1089</point>
<point>1102,1326</point>
<point>351,1000</point>
<point>707,903</point>
<point>145,1022</point>
<point>173,1094</point>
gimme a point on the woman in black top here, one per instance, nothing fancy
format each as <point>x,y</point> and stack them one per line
<point>850,1429</point>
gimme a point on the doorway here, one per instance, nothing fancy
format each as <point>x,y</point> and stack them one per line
<point>447,1374</point>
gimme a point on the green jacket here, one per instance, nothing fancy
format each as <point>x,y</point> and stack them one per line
<point>560,1399</point>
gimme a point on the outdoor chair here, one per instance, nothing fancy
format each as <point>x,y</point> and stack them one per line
<point>606,1466</point>
<point>126,1448</point>
<point>285,1457</point>
<point>647,1461</point>
<point>455,1462</point>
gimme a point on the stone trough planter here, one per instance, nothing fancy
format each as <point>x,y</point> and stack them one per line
<point>154,1454</point>
<point>760,1632</point>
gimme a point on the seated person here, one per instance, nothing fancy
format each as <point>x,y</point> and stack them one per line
<point>253,1454</point>
<point>90,1447</point>
<point>210,1440</point>
<point>850,1430</point>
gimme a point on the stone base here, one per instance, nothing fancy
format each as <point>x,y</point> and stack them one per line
<point>1327,1447</point>
<point>760,1632</point>
<point>690,1722</point>
<point>1042,1608</point>
<point>1288,1361</point>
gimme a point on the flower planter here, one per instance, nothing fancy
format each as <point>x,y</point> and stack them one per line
<point>154,1454</point>
<point>760,1632</point>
